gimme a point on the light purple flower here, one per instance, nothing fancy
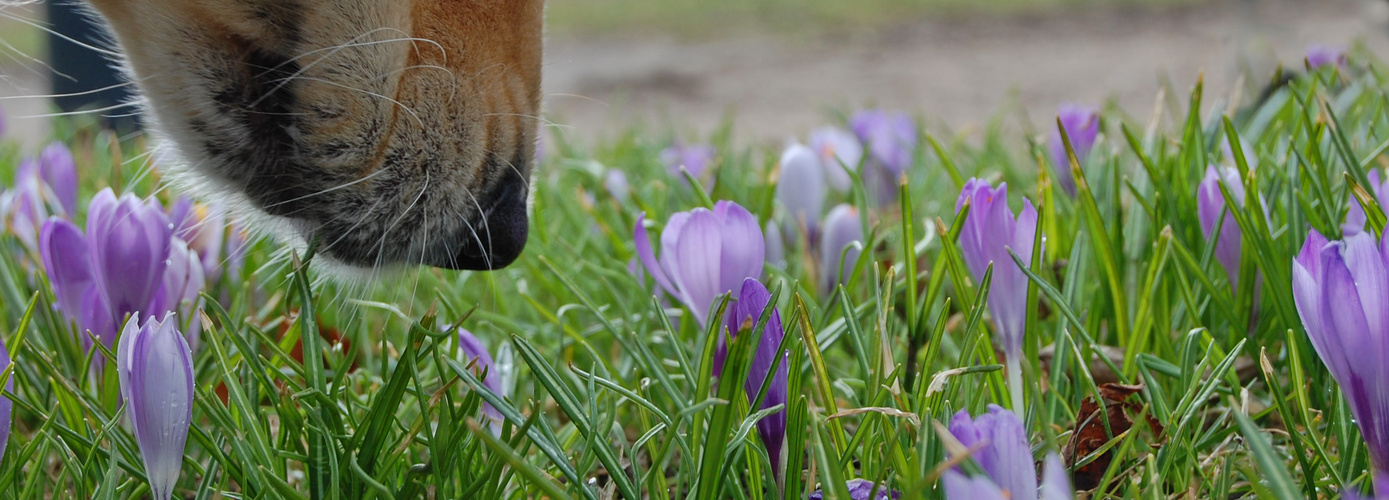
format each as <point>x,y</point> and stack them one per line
<point>988,233</point>
<point>59,171</point>
<point>1056,485</point>
<point>752,301</point>
<point>204,227</point>
<point>156,376</point>
<point>696,158</point>
<point>704,254</point>
<point>1082,126</point>
<point>24,211</point>
<point>183,282</point>
<point>477,355</point>
<point>1341,289</point>
<point>129,242</point>
<point>840,153</point>
<point>6,406</point>
<point>1210,205</point>
<point>68,263</point>
<point>1355,215</point>
<point>860,489</point>
<point>801,190</point>
<point>776,247</point>
<point>999,441</point>
<point>615,182</point>
<point>843,228</point>
<point>891,137</point>
<point>1322,55</point>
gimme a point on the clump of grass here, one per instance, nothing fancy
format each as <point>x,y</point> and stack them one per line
<point>606,388</point>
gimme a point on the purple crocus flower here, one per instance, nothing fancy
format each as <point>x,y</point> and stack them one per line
<point>156,375</point>
<point>1056,485</point>
<point>696,158</point>
<point>704,254</point>
<point>843,228</point>
<point>891,139</point>
<point>24,211</point>
<point>840,152</point>
<point>477,355</point>
<point>183,282</point>
<point>999,441</point>
<point>860,489</point>
<point>801,190</point>
<point>1339,289</point>
<point>989,232</point>
<point>6,406</point>
<point>1082,126</point>
<point>129,242</point>
<point>1210,205</point>
<point>776,247</point>
<point>59,171</point>
<point>1355,215</point>
<point>66,258</point>
<point>615,182</point>
<point>204,227</point>
<point>752,302</point>
<point>1323,55</point>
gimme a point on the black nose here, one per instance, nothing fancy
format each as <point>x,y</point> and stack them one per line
<point>499,235</point>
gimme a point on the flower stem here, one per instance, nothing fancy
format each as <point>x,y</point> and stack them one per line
<point>1013,365</point>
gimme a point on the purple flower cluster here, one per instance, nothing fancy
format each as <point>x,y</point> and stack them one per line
<point>43,186</point>
<point>127,261</point>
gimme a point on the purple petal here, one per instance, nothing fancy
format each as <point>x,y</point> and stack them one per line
<point>1082,127</point>
<point>776,247</point>
<point>1000,446</point>
<point>1056,480</point>
<point>959,487</point>
<point>615,182</point>
<point>6,406</point>
<point>696,266</point>
<point>742,250</point>
<point>65,257</point>
<point>477,355</point>
<point>1322,55</point>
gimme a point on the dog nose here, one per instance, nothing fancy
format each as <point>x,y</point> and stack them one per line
<point>498,236</point>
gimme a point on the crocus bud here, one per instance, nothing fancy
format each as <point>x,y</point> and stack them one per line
<point>988,233</point>
<point>1323,55</point>
<point>615,182</point>
<point>156,378</point>
<point>704,254</point>
<point>861,489</point>
<point>752,301</point>
<point>776,247</point>
<point>840,153</point>
<point>59,171</point>
<point>1339,290</point>
<point>476,354</point>
<point>6,406</point>
<point>999,441</point>
<point>1210,205</point>
<point>1355,215</point>
<point>1082,126</point>
<point>64,251</point>
<point>694,158</point>
<point>801,190</point>
<point>183,281</point>
<point>129,242</point>
<point>843,229</point>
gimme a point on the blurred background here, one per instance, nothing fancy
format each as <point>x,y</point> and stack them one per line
<point>777,68</point>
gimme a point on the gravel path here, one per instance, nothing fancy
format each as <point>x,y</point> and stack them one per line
<point>954,72</point>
